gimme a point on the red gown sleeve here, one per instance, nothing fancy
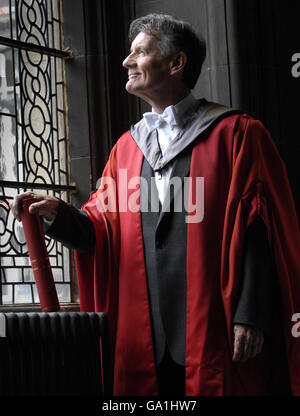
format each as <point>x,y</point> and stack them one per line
<point>97,271</point>
<point>260,188</point>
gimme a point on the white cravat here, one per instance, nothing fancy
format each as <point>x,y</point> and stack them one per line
<point>161,121</point>
<point>168,126</point>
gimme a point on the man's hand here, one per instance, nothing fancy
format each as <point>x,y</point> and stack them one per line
<point>44,205</point>
<point>248,342</point>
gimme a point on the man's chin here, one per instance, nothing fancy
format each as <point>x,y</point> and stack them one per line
<point>131,89</point>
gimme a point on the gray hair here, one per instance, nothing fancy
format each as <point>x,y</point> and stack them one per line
<point>174,36</point>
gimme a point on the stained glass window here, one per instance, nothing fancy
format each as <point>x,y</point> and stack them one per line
<point>33,142</point>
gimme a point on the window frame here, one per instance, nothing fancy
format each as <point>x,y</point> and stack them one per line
<point>69,188</point>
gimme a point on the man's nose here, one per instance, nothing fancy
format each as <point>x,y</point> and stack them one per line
<point>129,61</point>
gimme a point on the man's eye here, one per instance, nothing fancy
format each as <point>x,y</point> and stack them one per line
<point>138,52</point>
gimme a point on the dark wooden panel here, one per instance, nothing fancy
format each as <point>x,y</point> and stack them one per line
<point>77,100</point>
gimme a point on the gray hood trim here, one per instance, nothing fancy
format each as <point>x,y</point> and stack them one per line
<point>203,116</point>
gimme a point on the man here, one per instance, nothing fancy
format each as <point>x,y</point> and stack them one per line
<point>189,292</point>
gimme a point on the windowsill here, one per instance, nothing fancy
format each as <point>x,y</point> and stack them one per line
<point>68,307</point>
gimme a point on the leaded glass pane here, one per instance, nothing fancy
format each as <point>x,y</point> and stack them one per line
<point>7,294</point>
<point>33,145</point>
<point>8,148</point>
<point>7,91</point>
<point>7,17</point>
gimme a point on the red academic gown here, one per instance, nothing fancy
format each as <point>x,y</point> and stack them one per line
<point>244,177</point>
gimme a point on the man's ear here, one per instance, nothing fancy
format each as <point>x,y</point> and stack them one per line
<point>177,63</point>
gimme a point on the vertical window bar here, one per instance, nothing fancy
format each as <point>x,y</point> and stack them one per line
<point>54,114</point>
<point>51,20</point>
<point>1,282</point>
<point>10,20</point>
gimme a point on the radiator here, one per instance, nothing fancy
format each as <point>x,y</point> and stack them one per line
<point>54,354</point>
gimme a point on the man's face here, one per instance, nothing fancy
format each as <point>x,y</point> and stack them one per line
<point>148,70</point>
